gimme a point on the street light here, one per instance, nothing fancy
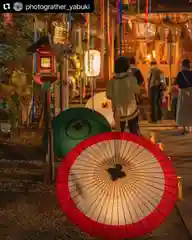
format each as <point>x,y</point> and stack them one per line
<point>92,66</point>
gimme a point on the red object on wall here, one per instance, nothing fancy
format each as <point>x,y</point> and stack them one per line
<point>37,79</point>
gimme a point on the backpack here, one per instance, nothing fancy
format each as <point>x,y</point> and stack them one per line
<point>138,75</point>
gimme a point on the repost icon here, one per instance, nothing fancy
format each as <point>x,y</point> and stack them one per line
<point>6,6</point>
<point>18,6</point>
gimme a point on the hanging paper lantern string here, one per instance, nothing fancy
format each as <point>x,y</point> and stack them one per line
<point>36,79</point>
<point>108,38</point>
<point>150,6</point>
<point>118,11</point>
<point>147,11</point>
<point>102,24</point>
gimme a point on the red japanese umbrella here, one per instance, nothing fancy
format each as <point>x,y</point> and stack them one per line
<point>117,185</point>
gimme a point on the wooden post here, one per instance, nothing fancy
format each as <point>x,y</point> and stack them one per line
<point>112,45</point>
<point>61,86</point>
<point>65,85</point>
<point>170,76</point>
<point>108,25</point>
<point>102,47</point>
<point>57,96</point>
<point>49,174</point>
<point>81,56</point>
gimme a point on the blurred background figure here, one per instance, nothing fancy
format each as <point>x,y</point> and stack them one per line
<point>136,71</point>
<point>184,83</point>
<point>140,81</point>
<point>156,85</point>
<point>175,94</point>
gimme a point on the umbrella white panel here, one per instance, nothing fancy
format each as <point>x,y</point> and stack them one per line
<point>120,202</point>
<point>107,112</point>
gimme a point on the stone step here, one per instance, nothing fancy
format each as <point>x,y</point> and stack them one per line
<point>18,172</point>
<point>20,164</point>
<point>18,185</point>
<point>23,169</point>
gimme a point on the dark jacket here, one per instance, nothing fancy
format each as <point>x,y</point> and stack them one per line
<point>184,79</point>
<point>138,75</point>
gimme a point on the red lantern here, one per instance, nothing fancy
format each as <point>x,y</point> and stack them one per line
<point>46,64</point>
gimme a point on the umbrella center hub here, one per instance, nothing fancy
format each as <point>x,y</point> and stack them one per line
<point>116,172</point>
<point>78,129</point>
<point>78,125</point>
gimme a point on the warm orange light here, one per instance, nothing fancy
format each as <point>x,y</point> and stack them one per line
<point>45,62</point>
<point>154,54</point>
<point>92,63</point>
<point>148,57</point>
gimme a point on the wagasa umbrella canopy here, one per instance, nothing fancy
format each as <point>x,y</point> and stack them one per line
<point>74,125</point>
<point>117,185</point>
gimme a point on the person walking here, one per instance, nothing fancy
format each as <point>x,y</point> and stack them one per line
<point>156,85</point>
<point>140,81</point>
<point>184,83</point>
<point>121,90</point>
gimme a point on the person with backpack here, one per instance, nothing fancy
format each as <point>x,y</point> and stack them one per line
<point>136,72</point>
<point>156,85</point>
<point>140,81</point>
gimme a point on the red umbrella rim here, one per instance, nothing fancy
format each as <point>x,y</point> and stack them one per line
<point>138,229</point>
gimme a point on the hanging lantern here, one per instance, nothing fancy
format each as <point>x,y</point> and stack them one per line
<point>46,65</point>
<point>92,63</point>
<point>144,30</point>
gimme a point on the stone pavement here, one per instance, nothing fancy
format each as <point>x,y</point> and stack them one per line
<point>179,148</point>
<point>33,213</point>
